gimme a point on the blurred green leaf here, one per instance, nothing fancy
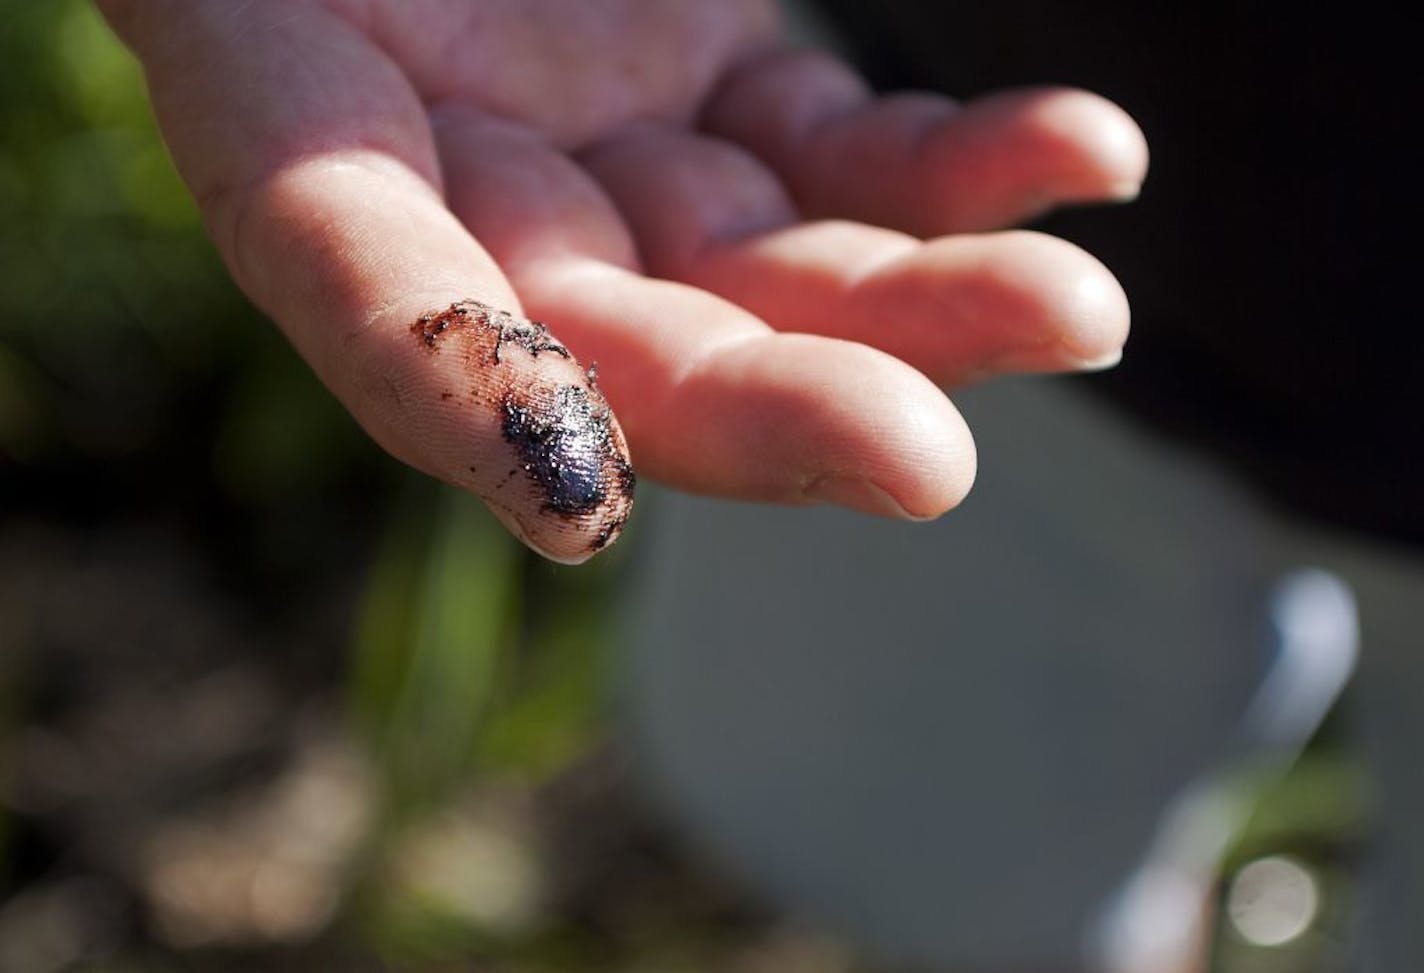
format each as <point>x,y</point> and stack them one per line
<point>437,621</point>
<point>548,715</point>
<point>112,302</point>
<point>1324,800</point>
<point>103,82</point>
<point>548,710</point>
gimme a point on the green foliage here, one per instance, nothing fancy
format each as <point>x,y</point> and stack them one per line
<point>469,654</point>
<point>548,708</point>
<point>437,622</point>
<point>1323,804</point>
<point>120,331</point>
<point>476,675</point>
<point>97,228</point>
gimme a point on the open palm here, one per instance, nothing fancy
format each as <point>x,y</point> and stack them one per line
<point>734,231</point>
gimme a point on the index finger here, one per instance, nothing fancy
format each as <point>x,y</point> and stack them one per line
<point>313,162</point>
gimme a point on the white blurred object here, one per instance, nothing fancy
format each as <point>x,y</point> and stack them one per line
<point>1272,901</point>
<point>1161,911</point>
<point>1315,619</point>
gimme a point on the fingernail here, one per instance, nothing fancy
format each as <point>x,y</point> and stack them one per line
<point>1125,192</point>
<point>1102,363</point>
<point>857,493</point>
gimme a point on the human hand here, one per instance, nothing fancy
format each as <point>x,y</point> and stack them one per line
<point>695,208</point>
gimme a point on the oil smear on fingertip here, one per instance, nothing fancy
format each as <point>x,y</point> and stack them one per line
<point>567,446</point>
<point>565,440</point>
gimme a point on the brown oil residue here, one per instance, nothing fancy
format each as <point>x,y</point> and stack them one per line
<point>506,328</point>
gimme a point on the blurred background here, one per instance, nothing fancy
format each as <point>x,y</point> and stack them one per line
<point>268,701</point>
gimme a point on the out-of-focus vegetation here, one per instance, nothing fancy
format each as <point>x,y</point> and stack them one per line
<point>122,336</point>
<point>1316,817</point>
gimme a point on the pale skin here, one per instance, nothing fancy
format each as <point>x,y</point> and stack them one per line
<point>776,271</point>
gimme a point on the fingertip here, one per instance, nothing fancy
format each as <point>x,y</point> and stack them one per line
<point>1093,308</point>
<point>941,461</point>
<point>570,548</point>
<point>1083,310</point>
<point>883,438</point>
<point>1099,317</point>
<point>496,405</point>
<point>1107,157</point>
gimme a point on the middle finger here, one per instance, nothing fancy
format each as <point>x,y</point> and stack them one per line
<point>706,212</point>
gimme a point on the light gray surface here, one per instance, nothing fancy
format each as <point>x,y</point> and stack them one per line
<point>951,741</point>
